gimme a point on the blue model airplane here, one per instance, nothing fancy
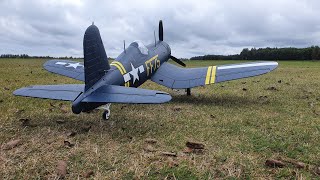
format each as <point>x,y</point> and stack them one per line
<point>106,83</point>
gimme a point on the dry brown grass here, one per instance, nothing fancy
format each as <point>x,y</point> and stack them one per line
<point>241,129</point>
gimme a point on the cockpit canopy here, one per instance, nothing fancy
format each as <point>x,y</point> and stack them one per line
<point>142,48</point>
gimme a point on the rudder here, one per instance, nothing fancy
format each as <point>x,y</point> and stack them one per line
<point>95,57</point>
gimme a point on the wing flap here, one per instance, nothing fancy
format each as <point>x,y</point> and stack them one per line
<point>67,68</point>
<point>67,92</point>
<point>175,77</point>
<point>120,94</point>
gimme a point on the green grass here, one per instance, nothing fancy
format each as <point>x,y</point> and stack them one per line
<point>247,128</point>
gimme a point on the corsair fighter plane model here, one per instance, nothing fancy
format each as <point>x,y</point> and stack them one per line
<point>117,82</point>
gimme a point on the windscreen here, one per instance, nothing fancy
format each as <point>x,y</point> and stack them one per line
<point>142,48</point>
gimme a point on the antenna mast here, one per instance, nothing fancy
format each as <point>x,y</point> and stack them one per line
<point>124,46</point>
<point>155,40</point>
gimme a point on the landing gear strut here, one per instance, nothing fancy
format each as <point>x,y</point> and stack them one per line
<point>106,113</point>
<point>188,91</point>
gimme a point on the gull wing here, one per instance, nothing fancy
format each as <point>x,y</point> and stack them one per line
<point>67,68</point>
<point>176,77</point>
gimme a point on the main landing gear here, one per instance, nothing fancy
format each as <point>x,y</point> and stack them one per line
<point>106,113</point>
<point>188,91</point>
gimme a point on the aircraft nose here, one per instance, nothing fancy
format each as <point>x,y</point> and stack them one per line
<point>166,46</point>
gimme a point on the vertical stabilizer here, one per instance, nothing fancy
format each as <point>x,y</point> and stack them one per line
<point>95,57</point>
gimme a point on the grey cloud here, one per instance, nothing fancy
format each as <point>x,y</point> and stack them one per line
<point>191,27</point>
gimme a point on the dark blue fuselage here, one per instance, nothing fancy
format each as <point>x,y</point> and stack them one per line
<point>136,66</point>
<point>131,68</point>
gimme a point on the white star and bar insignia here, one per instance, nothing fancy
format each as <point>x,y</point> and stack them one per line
<point>134,73</point>
<point>74,65</point>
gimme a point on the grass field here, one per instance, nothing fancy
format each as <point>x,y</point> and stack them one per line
<point>242,124</point>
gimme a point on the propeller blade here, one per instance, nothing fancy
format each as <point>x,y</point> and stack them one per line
<point>160,31</point>
<point>178,61</point>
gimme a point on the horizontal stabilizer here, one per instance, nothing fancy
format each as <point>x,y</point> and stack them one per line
<point>67,92</point>
<point>127,95</point>
<point>105,94</point>
<point>67,68</point>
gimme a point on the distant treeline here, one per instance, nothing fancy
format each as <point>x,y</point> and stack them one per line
<point>310,53</point>
<point>26,56</point>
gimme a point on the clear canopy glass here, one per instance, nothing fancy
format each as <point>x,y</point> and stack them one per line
<point>142,48</point>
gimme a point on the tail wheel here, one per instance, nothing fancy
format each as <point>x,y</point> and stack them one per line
<point>106,115</point>
<point>106,112</point>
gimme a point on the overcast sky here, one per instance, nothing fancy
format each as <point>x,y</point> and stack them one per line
<point>191,28</point>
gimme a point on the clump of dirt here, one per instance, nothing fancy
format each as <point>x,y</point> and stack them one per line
<point>61,168</point>
<point>274,163</point>
<point>11,144</point>
<point>272,88</point>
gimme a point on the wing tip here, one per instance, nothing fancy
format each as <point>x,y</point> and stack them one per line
<point>273,65</point>
<point>20,92</point>
<point>165,97</point>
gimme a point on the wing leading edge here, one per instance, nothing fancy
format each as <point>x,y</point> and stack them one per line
<point>175,77</point>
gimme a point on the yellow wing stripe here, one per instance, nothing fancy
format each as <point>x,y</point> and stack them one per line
<point>208,75</point>
<point>213,74</point>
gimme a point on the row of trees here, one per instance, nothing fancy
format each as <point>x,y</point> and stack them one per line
<point>26,56</point>
<point>309,53</point>
<point>14,56</point>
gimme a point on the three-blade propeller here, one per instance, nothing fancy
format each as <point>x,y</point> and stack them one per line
<point>160,31</point>
<point>161,39</point>
<point>178,61</point>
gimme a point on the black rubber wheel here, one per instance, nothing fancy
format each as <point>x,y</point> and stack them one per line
<point>104,115</point>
